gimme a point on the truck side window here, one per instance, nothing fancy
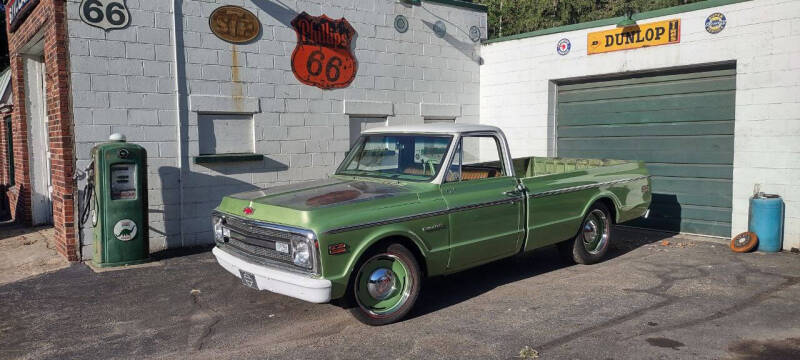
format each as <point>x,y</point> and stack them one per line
<point>477,157</point>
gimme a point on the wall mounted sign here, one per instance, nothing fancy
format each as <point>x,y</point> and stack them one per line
<point>17,10</point>
<point>105,14</point>
<point>563,47</point>
<point>715,23</point>
<point>400,23</point>
<point>474,33</point>
<point>322,57</point>
<point>439,28</point>
<point>634,37</point>
<point>234,24</point>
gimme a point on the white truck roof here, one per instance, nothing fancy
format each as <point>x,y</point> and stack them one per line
<point>432,129</point>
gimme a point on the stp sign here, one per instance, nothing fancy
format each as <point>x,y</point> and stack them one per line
<point>322,57</point>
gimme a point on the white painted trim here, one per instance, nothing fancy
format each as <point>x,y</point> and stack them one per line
<point>439,111</point>
<point>278,281</point>
<point>368,108</point>
<point>224,104</point>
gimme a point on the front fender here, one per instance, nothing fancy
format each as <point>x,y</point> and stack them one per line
<point>433,246</point>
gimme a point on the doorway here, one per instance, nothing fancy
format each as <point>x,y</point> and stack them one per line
<point>39,139</point>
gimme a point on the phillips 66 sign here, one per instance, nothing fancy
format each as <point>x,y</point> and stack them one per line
<point>105,14</point>
<point>322,57</point>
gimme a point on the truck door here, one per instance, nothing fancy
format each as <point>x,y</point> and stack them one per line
<point>485,206</point>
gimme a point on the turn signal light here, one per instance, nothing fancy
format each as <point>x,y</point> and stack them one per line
<point>336,249</point>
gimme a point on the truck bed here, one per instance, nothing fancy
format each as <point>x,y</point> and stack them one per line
<point>534,166</point>
<point>559,190</point>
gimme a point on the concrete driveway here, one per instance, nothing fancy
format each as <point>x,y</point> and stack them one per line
<point>654,299</point>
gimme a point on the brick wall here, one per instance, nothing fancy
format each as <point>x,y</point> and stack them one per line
<point>49,19</point>
<point>762,36</point>
<point>124,81</point>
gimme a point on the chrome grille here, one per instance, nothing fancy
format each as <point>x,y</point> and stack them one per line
<point>258,241</point>
<point>243,227</point>
<point>259,251</point>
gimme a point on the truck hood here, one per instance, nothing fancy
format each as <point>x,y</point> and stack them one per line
<point>323,193</point>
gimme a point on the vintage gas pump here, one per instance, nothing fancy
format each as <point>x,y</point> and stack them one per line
<point>119,208</point>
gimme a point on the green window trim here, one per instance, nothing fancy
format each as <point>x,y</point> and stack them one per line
<point>616,20</point>
<point>226,158</point>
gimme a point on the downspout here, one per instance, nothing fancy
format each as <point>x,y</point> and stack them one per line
<point>179,69</point>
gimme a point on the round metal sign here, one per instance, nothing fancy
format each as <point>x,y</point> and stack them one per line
<point>439,28</point>
<point>125,230</point>
<point>715,23</point>
<point>234,24</point>
<point>563,47</point>
<point>474,33</point>
<point>400,23</point>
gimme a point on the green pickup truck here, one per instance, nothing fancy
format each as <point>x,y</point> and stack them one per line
<point>412,202</point>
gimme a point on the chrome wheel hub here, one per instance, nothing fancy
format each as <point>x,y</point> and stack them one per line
<point>595,232</point>
<point>381,284</point>
<point>589,231</point>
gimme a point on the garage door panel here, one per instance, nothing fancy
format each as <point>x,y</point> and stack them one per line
<point>678,211</point>
<point>690,114</point>
<point>719,144</point>
<point>714,171</point>
<point>674,155</point>
<point>694,191</point>
<point>633,79</point>
<point>650,89</point>
<point>649,129</point>
<point>685,225</point>
<point>611,106</point>
<point>680,124</point>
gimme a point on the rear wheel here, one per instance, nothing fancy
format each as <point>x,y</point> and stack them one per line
<point>591,243</point>
<point>386,285</point>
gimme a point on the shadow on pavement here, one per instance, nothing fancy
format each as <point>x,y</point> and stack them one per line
<point>444,291</point>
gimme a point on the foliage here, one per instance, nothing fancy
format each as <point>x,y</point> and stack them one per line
<point>3,40</point>
<point>510,17</point>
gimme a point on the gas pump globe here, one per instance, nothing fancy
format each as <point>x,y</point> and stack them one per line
<point>119,207</point>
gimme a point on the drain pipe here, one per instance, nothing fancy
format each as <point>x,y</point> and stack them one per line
<point>181,91</point>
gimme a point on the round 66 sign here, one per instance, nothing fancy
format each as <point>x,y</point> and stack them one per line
<point>105,14</point>
<point>322,57</point>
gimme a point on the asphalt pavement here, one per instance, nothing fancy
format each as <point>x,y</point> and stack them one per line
<point>657,297</point>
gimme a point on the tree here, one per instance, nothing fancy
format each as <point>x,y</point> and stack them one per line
<point>510,17</point>
<point>4,62</point>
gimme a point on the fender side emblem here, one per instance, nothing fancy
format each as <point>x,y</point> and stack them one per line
<point>434,227</point>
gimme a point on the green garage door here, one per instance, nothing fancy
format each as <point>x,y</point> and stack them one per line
<point>679,122</point>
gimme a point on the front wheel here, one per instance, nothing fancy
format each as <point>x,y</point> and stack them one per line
<point>594,235</point>
<point>386,285</point>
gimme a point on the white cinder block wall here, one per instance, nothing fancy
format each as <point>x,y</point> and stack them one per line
<point>125,81</point>
<point>762,36</point>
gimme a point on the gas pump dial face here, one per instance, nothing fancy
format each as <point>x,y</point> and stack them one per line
<point>93,211</point>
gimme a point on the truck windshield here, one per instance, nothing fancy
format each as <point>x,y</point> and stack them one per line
<point>402,157</point>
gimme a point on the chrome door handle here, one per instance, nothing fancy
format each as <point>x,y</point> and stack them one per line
<point>512,193</point>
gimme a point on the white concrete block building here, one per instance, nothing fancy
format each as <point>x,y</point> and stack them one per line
<point>218,117</point>
<point>714,114</point>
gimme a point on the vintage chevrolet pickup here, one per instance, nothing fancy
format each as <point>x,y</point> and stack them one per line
<point>412,202</point>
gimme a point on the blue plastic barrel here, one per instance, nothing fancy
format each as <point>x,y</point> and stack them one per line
<point>766,220</point>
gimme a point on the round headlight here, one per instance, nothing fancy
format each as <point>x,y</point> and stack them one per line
<point>302,254</point>
<point>217,222</point>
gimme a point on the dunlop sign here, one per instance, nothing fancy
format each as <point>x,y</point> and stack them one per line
<point>634,37</point>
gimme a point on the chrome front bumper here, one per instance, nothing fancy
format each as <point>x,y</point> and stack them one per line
<point>303,287</point>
